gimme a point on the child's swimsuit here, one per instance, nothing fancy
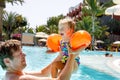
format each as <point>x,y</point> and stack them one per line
<point>64,49</point>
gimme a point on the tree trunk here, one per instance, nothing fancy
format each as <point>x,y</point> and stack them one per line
<point>0,24</point>
<point>2,5</point>
<point>93,30</point>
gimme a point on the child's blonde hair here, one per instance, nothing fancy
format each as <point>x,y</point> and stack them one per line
<point>68,21</point>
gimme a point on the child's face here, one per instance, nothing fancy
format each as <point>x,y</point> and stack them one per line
<point>65,30</point>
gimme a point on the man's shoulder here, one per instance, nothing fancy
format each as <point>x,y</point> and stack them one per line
<point>11,77</point>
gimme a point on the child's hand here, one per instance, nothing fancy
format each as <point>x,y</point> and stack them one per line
<point>77,51</point>
<point>50,51</point>
<point>73,53</point>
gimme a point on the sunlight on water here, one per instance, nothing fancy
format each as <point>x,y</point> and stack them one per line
<point>37,59</point>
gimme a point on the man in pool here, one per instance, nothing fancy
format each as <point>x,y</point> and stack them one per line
<point>12,59</point>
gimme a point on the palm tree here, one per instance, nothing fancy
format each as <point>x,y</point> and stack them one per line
<point>20,22</point>
<point>52,24</point>
<point>84,24</point>
<point>95,10</point>
<point>2,6</point>
<point>41,28</point>
<point>12,21</point>
<point>53,29</point>
<point>30,30</point>
<point>9,23</point>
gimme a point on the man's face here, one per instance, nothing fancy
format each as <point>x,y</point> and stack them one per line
<point>18,62</point>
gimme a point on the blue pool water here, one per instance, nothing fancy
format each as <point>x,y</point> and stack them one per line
<point>37,59</point>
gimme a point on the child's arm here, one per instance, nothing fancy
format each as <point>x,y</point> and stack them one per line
<point>77,51</point>
<point>67,70</point>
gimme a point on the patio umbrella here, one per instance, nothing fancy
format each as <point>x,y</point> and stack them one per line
<point>116,1</point>
<point>42,40</point>
<point>99,41</point>
<point>114,10</point>
<point>41,35</point>
<point>116,42</point>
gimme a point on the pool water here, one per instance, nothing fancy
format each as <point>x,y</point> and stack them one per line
<point>37,59</point>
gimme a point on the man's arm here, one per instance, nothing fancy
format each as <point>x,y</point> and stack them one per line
<point>31,77</point>
<point>45,71</point>
<point>64,75</point>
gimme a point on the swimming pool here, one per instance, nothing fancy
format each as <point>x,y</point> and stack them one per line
<point>37,59</point>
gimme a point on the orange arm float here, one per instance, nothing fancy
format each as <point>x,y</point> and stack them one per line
<point>78,40</point>
<point>53,42</point>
